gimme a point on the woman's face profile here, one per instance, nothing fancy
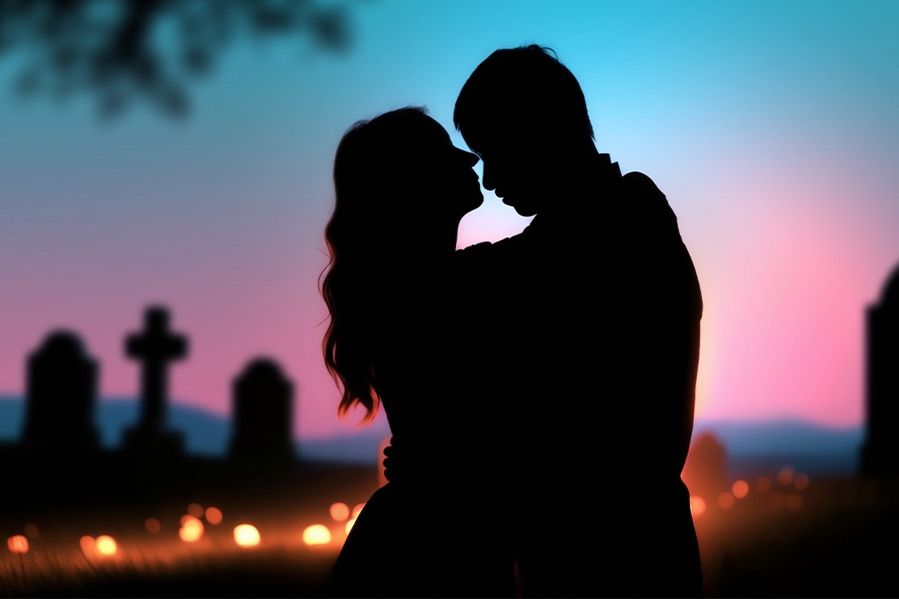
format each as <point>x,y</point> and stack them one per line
<point>444,174</point>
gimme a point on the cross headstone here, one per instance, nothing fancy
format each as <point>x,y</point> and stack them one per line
<point>154,347</point>
<point>62,385</point>
<point>263,414</point>
<point>880,453</point>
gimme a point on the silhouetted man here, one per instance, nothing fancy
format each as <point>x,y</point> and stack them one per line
<point>585,378</point>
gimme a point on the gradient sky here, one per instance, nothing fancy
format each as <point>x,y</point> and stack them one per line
<point>771,127</point>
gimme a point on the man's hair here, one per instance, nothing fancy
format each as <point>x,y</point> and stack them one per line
<point>515,82</point>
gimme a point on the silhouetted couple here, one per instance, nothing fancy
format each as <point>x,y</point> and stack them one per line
<point>539,389</point>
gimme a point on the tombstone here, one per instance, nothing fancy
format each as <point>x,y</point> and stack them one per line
<point>154,348</point>
<point>262,415</point>
<point>61,395</point>
<point>880,452</point>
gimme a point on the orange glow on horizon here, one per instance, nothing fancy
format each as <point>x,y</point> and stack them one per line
<point>214,515</point>
<point>317,534</point>
<point>17,544</point>
<point>246,535</point>
<point>740,489</point>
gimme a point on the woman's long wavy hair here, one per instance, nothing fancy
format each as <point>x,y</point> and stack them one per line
<point>371,171</point>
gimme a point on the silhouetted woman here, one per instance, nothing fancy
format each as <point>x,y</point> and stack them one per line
<point>401,190</point>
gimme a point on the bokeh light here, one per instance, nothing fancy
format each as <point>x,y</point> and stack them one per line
<point>17,544</point>
<point>88,545</point>
<point>246,535</point>
<point>214,515</point>
<point>106,545</point>
<point>317,534</point>
<point>153,525</point>
<point>801,482</point>
<point>697,505</point>
<point>740,489</point>
<point>340,511</point>
<point>357,510</point>
<point>195,510</point>
<point>191,529</point>
<point>726,501</point>
<point>785,476</point>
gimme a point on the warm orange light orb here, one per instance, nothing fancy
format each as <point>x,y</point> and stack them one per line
<point>106,545</point>
<point>195,510</point>
<point>88,545</point>
<point>214,515</point>
<point>785,476</point>
<point>246,535</point>
<point>317,534</point>
<point>357,510</point>
<point>697,505</point>
<point>740,489</point>
<point>191,530</point>
<point>802,481</point>
<point>17,544</point>
<point>726,501</point>
<point>340,511</point>
<point>349,525</point>
<point>153,525</point>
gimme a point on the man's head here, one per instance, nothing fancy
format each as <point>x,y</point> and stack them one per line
<point>524,113</point>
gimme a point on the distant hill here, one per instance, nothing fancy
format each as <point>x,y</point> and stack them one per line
<point>768,445</point>
<point>806,446</point>
<point>205,433</point>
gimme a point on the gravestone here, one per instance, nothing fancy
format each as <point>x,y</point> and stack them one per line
<point>880,453</point>
<point>154,348</point>
<point>262,415</point>
<point>61,396</point>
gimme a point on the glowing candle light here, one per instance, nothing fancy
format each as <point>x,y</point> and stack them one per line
<point>697,505</point>
<point>214,515</point>
<point>317,534</point>
<point>349,525</point>
<point>340,511</point>
<point>106,545</point>
<point>153,525</point>
<point>17,544</point>
<point>195,510</point>
<point>246,535</point>
<point>191,530</point>
<point>740,489</point>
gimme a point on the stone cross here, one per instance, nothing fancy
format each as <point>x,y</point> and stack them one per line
<point>154,348</point>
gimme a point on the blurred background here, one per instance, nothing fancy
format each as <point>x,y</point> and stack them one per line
<point>180,153</point>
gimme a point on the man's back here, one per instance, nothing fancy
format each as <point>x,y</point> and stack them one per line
<point>588,383</point>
